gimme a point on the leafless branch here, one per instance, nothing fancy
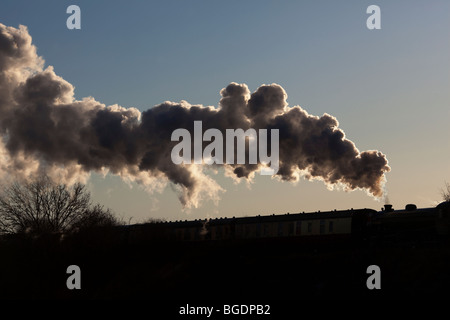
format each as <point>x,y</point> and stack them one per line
<point>44,206</point>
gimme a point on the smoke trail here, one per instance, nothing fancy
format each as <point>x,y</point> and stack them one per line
<point>44,129</point>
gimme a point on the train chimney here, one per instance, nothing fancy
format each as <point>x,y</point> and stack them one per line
<point>388,208</point>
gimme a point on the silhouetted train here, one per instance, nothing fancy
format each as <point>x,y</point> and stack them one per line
<point>356,224</point>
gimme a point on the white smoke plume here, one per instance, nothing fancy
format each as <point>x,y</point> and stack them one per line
<point>44,129</point>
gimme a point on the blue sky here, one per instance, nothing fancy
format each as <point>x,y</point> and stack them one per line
<point>388,88</point>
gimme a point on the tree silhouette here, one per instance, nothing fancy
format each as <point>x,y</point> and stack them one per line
<point>96,216</point>
<point>446,192</point>
<point>42,206</point>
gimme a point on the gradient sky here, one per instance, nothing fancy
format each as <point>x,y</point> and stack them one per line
<point>388,88</point>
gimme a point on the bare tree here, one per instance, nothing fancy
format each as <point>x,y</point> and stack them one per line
<point>446,192</point>
<point>97,216</point>
<point>43,206</point>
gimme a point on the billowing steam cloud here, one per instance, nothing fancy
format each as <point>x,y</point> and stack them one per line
<point>44,129</point>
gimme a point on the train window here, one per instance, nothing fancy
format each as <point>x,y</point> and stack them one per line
<point>298,228</point>
<point>237,230</point>
<point>330,226</point>
<point>309,226</point>
<point>266,230</point>
<point>291,228</point>
<point>322,226</point>
<point>280,229</point>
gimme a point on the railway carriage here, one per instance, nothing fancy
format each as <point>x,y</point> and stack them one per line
<point>355,224</point>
